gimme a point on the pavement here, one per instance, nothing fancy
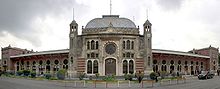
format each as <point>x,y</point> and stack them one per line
<point>191,83</point>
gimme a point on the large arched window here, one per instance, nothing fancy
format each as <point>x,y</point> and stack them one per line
<point>65,62</point>
<point>95,66</point>
<point>179,66</point>
<point>89,67</point>
<point>123,45</point>
<point>155,67</point>
<point>88,45</point>
<point>125,67</point>
<point>56,67</point>
<point>28,65</point>
<point>97,45</point>
<point>92,44</point>
<point>48,66</point>
<point>131,67</point>
<point>132,45</point>
<point>17,66</point>
<point>164,67</point>
<point>128,44</point>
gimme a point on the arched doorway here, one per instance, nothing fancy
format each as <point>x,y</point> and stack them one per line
<point>110,66</point>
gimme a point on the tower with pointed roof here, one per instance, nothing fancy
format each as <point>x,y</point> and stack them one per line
<point>73,48</point>
<point>147,47</point>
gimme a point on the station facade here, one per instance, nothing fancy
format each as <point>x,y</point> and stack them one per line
<point>110,45</point>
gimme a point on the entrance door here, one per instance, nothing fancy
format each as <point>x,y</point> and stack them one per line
<point>110,66</point>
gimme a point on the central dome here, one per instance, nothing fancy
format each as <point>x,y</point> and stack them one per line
<point>110,20</point>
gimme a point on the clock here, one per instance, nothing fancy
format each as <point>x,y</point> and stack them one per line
<point>148,35</point>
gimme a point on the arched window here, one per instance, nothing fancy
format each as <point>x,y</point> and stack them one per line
<point>95,66</point>
<point>48,62</point>
<point>171,62</point>
<point>65,62</point>
<point>128,55</point>
<point>33,66</point>
<point>154,61</point>
<point>163,62</point>
<point>56,62</point>
<point>201,63</point>
<point>179,62</point>
<point>92,44</point>
<point>22,62</point>
<point>88,45</point>
<point>48,66</point>
<point>28,63</point>
<point>155,68</point>
<point>164,68</point>
<point>185,62</point>
<point>56,67</point>
<point>192,62</point>
<point>197,63</point>
<point>131,67</point>
<point>33,63</point>
<point>17,66</point>
<point>128,44</point>
<point>97,45</point>
<point>40,62</point>
<point>123,45</point>
<point>125,67</point>
<point>132,45</point>
<point>89,67</point>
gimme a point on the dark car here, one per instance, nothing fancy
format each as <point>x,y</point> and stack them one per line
<point>206,75</point>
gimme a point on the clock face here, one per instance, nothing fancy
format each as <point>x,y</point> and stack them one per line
<point>148,35</point>
<point>110,48</point>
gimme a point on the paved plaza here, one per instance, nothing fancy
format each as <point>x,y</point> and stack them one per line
<point>13,83</point>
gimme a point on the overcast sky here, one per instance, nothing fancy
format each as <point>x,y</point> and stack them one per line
<point>44,24</point>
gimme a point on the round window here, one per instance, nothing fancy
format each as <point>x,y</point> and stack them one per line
<point>110,48</point>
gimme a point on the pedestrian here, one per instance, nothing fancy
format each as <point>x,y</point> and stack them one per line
<point>218,71</point>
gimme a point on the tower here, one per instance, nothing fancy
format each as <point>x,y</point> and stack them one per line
<point>147,47</point>
<point>73,49</point>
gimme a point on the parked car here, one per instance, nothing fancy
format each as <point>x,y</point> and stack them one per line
<point>205,75</point>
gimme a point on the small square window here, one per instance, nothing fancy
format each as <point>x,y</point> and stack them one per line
<point>88,55</point>
<point>97,55</point>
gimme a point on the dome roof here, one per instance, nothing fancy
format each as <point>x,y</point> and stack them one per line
<point>110,20</point>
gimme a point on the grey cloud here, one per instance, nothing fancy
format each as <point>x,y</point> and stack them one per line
<point>17,16</point>
<point>170,4</point>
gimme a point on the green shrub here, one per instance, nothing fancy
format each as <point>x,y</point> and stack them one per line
<point>33,74</point>
<point>153,75</point>
<point>53,78</point>
<point>61,74</point>
<point>163,74</point>
<point>26,72</point>
<point>47,76</point>
<point>128,76</point>
<point>19,73</point>
<point>109,78</point>
<point>97,75</point>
